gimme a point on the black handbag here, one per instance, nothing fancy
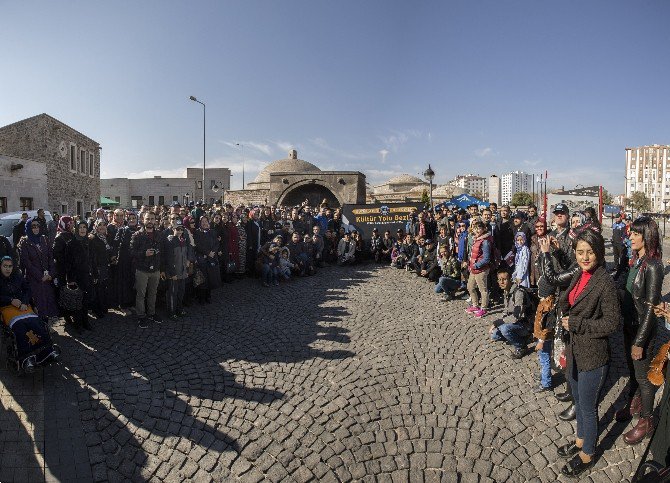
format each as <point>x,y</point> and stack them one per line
<point>71,298</point>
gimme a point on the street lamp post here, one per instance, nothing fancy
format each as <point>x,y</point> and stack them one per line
<point>203,144</point>
<point>665,210</point>
<point>242,146</point>
<point>430,174</point>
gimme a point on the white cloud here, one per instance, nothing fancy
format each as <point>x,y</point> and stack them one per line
<point>383,153</point>
<point>258,146</point>
<point>284,146</point>
<point>483,152</point>
<point>163,173</point>
<point>397,138</point>
<point>532,162</point>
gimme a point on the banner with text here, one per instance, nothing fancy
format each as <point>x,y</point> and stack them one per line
<point>383,216</point>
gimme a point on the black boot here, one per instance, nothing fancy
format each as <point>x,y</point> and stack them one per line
<point>564,396</point>
<point>569,414</point>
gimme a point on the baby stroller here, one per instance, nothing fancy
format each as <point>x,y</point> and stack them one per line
<point>27,340</point>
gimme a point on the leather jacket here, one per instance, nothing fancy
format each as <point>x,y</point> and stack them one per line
<point>557,279</point>
<point>565,254</point>
<point>646,289</point>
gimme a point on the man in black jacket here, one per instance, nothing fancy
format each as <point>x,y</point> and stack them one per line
<point>145,246</point>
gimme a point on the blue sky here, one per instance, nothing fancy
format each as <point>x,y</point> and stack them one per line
<point>384,87</point>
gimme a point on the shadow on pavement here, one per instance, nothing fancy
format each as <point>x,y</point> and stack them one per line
<point>129,403</point>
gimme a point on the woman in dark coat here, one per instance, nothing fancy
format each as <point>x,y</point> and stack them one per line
<point>38,268</point>
<point>221,232</point>
<point>240,223</point>
<point>206,248</point>
<point>232,246</point>
<point>101,252</point>
<point>590,313</point>
<point>73,267</point>
<point>121,285</point>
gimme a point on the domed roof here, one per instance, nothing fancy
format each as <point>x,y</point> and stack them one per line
<point>405,179</point>
<point>287,165</point>
<point>418,189</point>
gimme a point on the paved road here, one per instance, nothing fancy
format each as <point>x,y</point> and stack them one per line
<point>353,374</point>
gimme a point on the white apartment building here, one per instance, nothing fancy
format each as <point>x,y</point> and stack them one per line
<point>472,183</point>
<point>514,182</point>
<point>648,170</point>
<point>494,190</point>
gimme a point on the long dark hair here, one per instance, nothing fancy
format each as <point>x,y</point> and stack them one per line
<point>648,228</point>
<point>595,241</point>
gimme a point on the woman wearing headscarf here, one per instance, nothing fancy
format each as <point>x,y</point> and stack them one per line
<point>521,260</point>
<point>73,267</point>
<point>121,284</point>
<point>38,268</point>
<point>101,252</point>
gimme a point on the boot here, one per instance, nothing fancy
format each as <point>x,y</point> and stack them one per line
<point>631,409</point>
<point>564,396</point>
<point>569,414</point>
<point>643,428</point>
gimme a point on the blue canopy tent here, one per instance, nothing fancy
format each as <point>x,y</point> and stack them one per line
<point>465,200</point>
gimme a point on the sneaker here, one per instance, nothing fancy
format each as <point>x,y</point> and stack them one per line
<point>540,388</point>
<point>469,300</point>
<point>143,323</point>
<point>519,352</point>
<point>472,309</point>
<point>156,318</point>
<point>479,313</point>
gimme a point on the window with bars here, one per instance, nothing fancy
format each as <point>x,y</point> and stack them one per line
<point>26,204</point>
<point>3,204</point>
<point>73,157</point>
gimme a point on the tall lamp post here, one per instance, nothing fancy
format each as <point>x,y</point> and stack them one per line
<point>665,210</point>
<point>242,146</point>
<point>430,174</point>
<point>203,144</point>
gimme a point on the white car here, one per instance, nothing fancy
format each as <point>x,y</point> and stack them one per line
<point>9,220</point>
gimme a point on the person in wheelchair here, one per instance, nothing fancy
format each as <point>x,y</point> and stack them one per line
<point>29,342</point>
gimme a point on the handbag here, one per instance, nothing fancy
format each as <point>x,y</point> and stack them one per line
<point>70,299</point>
<point>198,277</point>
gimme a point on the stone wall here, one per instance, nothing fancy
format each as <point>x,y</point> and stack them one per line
<point>47,140</point>
<point>347,186</point>
<point>247,197</point>
<point>30,181</point>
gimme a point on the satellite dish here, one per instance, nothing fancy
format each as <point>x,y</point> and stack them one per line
<point>216,188</point>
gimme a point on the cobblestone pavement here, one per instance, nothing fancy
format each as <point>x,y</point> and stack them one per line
<point>347,375</point>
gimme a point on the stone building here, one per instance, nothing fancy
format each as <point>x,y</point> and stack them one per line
<point>72,161</point>
<point>23,184</point>
<point>290,181</point>
<point>405,188</point>
<point>133,193</point>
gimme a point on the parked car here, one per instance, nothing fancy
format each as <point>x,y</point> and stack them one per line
<point>9,220</point>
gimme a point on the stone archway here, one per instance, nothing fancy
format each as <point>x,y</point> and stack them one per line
<point>312,191</point>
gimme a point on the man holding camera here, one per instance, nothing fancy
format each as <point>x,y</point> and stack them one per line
<point>144,245</point>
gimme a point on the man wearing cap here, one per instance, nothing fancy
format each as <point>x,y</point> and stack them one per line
<point>427,262</point>
<point>560,241</point>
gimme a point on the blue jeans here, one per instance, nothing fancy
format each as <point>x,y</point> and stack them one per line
<point>515,334</point>
<point>447,284</point>
<point>270,274</point>
<point>544,356</point>
<point>586,392</point>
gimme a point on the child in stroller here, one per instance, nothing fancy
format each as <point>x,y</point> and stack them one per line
<point>27,339</point>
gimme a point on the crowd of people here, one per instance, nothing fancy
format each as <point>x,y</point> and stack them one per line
<point>553,286</point>
<point>548,277</point>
